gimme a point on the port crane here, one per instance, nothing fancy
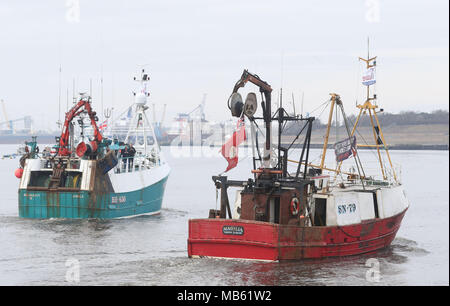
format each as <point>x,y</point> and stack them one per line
<point>10,124</point>
<point>199,109</point>
<point>4,114</point>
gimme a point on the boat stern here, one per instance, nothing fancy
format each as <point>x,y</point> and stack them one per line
<point>36,204</point>
<point>228,238</point>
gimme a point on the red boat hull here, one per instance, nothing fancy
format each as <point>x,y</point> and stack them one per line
<point>256,240</point>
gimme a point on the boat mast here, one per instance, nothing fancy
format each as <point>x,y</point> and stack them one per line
<point>280,124</point>
<point>370,108</point>
<point>327,134</point>
<point>140,121</point>
<point>335,102</point>
<point>59,123</point>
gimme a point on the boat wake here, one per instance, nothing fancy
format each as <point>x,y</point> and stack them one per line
<point>403,245</point>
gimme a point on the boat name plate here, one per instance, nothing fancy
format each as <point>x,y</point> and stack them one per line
<point>233,230</point>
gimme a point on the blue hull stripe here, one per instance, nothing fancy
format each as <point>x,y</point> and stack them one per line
<point>84,204</point>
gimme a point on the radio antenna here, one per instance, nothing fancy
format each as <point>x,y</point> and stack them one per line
<point>59,98</point>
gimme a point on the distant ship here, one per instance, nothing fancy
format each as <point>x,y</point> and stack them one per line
<point>191,128</point>
<point>99,177</point>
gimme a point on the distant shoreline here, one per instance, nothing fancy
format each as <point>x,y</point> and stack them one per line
<point>11,140</point>
<point>411,147</point>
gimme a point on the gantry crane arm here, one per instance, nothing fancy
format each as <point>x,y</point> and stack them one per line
<point>265,89</point>
<point>253,78</point>
<point>83,105</point>
<point>4,114</point>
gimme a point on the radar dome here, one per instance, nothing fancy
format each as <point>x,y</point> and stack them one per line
<point>140,98</point>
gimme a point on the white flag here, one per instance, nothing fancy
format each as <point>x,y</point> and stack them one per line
<point>369,77</point>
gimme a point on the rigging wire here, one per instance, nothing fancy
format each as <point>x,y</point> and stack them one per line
<point>325,106</point>
<point>326,102</point>
<point>357,159</point>
<point>362,137</point>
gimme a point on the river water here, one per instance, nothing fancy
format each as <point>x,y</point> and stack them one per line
<point>152,250</point>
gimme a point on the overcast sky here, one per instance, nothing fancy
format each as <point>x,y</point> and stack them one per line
<point>196,47</point>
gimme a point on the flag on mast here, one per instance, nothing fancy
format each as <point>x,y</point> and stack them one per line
<point>103,125</point>
<point>369,76</point>
<point>345,148</point>
<point>229,149</point>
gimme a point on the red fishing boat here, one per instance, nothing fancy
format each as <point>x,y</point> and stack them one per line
<point>314,212</point>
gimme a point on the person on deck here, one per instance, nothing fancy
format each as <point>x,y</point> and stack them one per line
<point>131,153</point>
<point>124,155</point>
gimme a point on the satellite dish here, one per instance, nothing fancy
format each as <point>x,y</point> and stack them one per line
<point>251,105</point>
<point>236,104</point>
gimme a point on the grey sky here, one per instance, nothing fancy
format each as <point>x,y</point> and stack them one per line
<point>196,47</point>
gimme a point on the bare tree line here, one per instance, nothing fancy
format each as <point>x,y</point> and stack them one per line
<point>387,119</point>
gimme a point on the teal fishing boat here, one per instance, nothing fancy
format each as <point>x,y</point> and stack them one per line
<point>99,177</point>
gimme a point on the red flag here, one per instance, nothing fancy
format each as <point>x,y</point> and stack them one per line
<point>103,125</point>
<point>229,149</point>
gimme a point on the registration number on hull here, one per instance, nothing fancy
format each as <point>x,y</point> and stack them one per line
<point>346,208</point>
<point>116,200</point>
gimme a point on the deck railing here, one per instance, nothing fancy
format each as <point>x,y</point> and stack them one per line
<point>133,164</point>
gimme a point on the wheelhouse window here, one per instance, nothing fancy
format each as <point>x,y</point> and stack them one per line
<point>42,179</point>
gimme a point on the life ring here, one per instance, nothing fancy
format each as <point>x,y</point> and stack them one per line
<point>295,206</point>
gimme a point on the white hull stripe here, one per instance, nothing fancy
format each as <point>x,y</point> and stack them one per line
<point>133,181</point>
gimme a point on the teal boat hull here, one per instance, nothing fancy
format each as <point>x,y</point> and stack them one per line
<point>39,204</point>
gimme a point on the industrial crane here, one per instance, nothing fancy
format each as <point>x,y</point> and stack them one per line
<point>200,108</point>
<point>10,124</point>
<point>265,89</point>
<point>83,105</point>
<point>6,116</point>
